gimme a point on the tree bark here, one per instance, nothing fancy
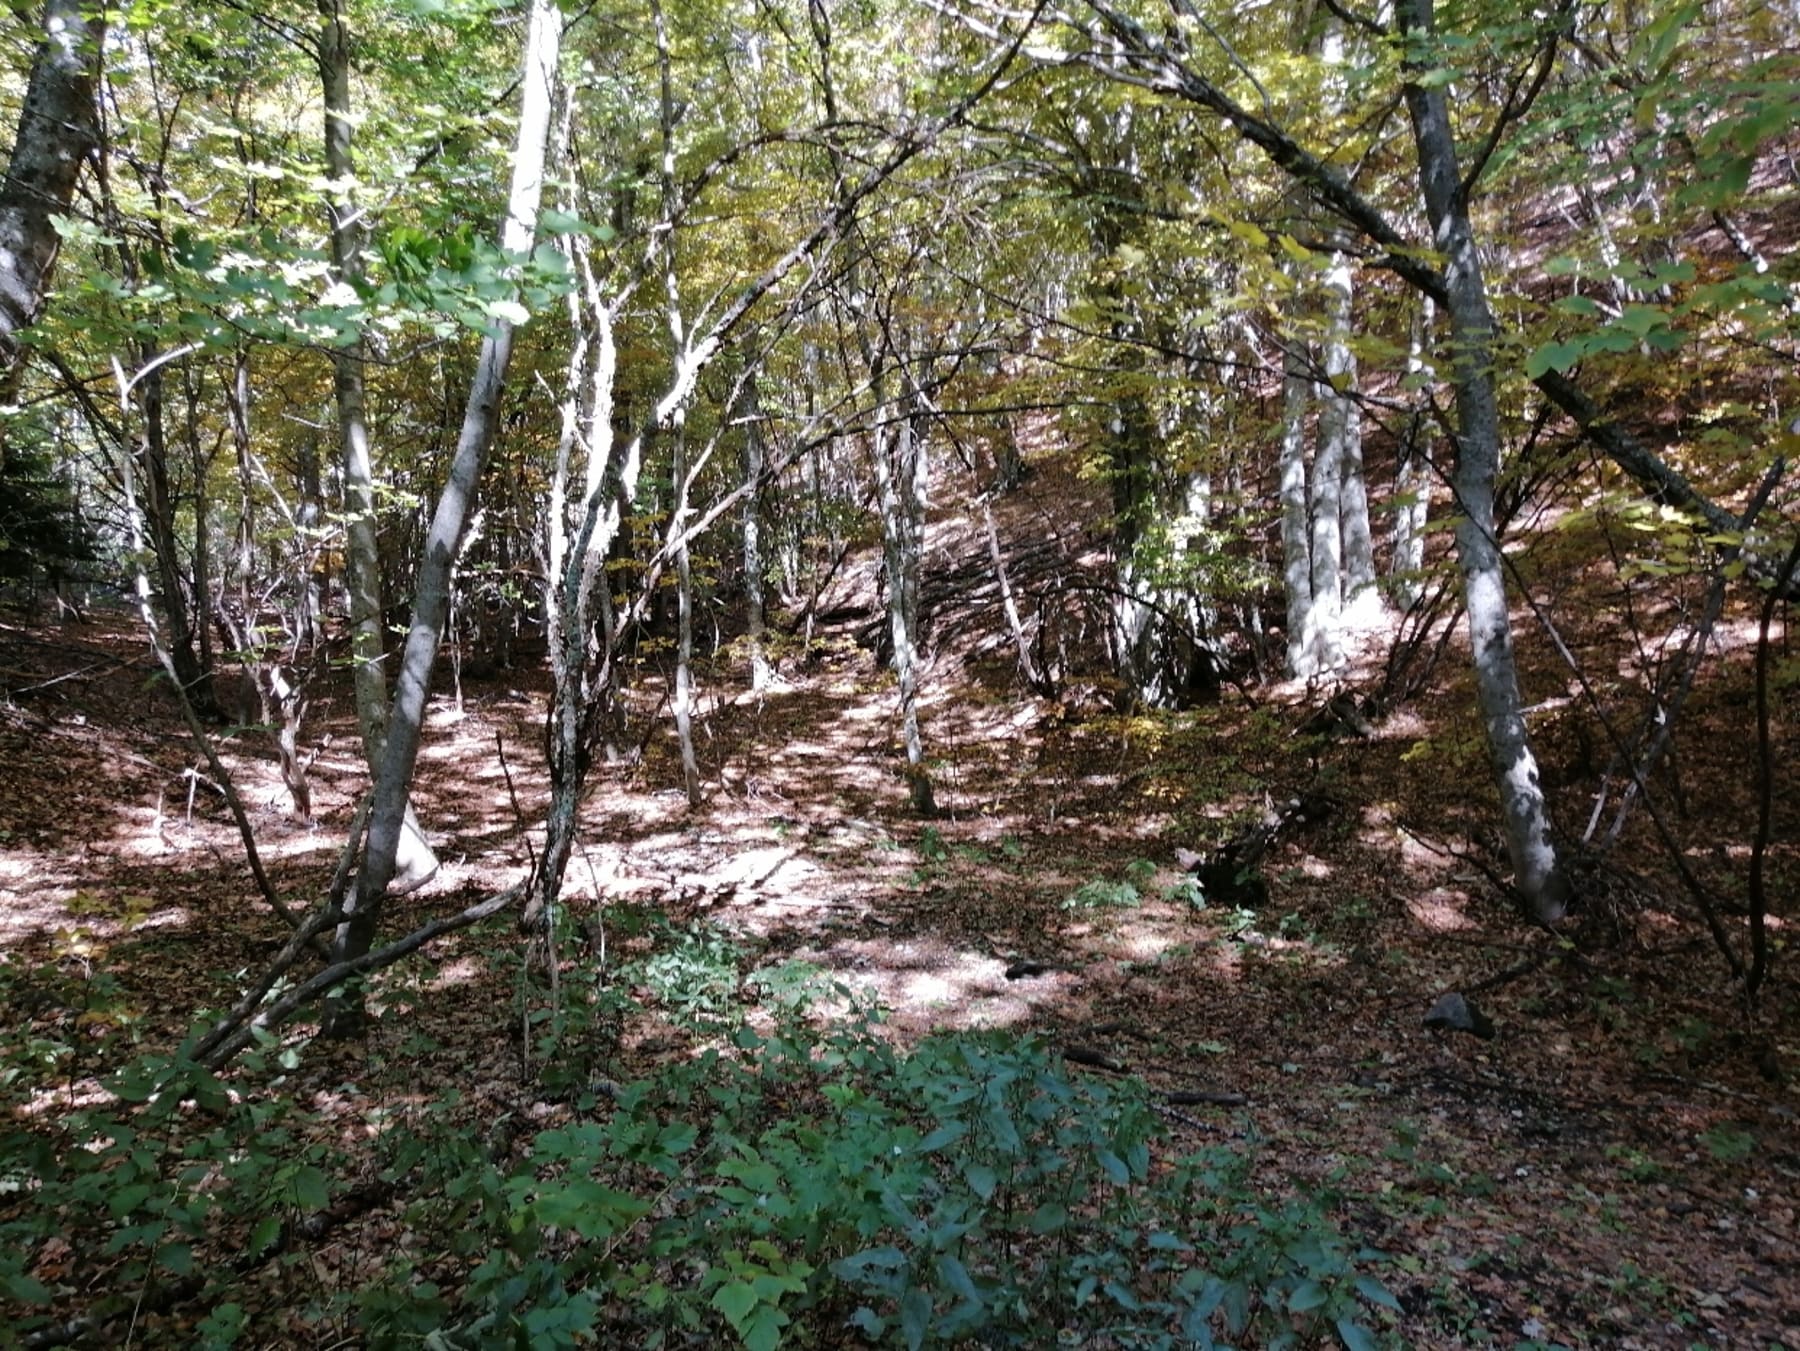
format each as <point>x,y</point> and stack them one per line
<point>899,475</point>
<point>755,454</point>
<point>1537,871</point>
<point>58,129</point>
<point>159,519</point>
<point>1341,420</point>
<point>431,599</point>
<point>1412,478</point>
<point>1324,640</point>
<point>1296,548</point>
<point>362,554</point>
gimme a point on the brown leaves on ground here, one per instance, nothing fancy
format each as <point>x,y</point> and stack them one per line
<point>1612,1169</point>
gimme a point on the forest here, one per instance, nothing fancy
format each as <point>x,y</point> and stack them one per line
<point>862,673</point>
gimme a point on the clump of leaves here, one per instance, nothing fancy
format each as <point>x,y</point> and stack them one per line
<point>695,974</point>
<point>1102,894</point>
<point>973,1188</point>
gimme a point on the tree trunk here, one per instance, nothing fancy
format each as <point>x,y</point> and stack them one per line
<point>58,130</point>
<point>1412,478</point>
<point>1341,419</point>
<point>684,623</point>
<point>755,456</point>
<point>431,599</point>
<point>362,556</point>
<point>683,700</point>
<point>159,519</point>
<point>899,471</point>
<point>1324,643</point>
<point>1537,871</point>
<point>1296,556</point>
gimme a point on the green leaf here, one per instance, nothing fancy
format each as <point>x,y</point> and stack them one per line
<point>1048,1218</point>
<point>981,1179</point>
<point>1377,1293</point>
<point>310,1190</point>
<point>1354,1335</point>
<point>178,1258</point>
<point>268,1229</point>
<point>763,1330</point>
<point>127,1199</point>
<point>735,1300</point>
<point>1554,356</point>
<point>915,1318</point>
<point>1307,1296</point>
<point>25,1289</point>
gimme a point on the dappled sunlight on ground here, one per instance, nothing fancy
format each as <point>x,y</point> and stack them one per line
<point>1441,910</point>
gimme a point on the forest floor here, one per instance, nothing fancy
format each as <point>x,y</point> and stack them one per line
<point>1615,1168</point>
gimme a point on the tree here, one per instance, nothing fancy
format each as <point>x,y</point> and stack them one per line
<point>1537,871</point>
<point>431,601</point>
<point>58,130</point>
<point>415,862</point>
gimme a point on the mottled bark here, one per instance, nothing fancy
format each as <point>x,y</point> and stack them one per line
<point>1537,871</point>
<point>362,553</point>
<point>58,129</point>
<point>899,479</point>
<point>1296,556</point>
<point>750,529</point>
<point>432,595</point>
<point>1413,472</point>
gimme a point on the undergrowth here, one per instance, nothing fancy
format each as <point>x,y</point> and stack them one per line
<point>791,1184</point>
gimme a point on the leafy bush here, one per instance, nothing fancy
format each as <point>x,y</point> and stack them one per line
<point>788,1185</point>
<point>970,1189</point>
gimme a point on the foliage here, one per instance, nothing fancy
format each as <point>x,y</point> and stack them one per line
<point>41,523</point>
<point>971,1188</point>
<point>793,1178</point>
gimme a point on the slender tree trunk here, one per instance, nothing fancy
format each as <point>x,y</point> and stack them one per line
<point>1324,635</point>
<point>201,459</point>
<point>362,553</point>
<point>1413,472</point>
<point>1296,547</point>
<point>755,456</point>
<point>58,129</point>
<point>683,700</point>
<point>1341,419</point>
<point>582,534</point>
<point>1537,871</point>
<point>159,519</point>
<point>431,600</point>
<point>899,464</point>
<point>684,623</point>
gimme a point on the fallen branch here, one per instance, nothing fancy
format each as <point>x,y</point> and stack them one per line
<point>337,973</point>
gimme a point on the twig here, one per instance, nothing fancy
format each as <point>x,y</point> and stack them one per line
<point>304,937</point>
<point>339,972</point>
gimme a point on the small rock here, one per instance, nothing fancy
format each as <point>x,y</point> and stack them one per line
<point>1459,1014</point>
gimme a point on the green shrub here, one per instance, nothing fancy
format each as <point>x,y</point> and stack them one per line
<point>973,1188</point>
<point>789,1185</point>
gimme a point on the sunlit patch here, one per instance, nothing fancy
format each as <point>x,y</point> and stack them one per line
<point>1142,944</point>
<point>1441,910</point>
<point>459,971</point>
